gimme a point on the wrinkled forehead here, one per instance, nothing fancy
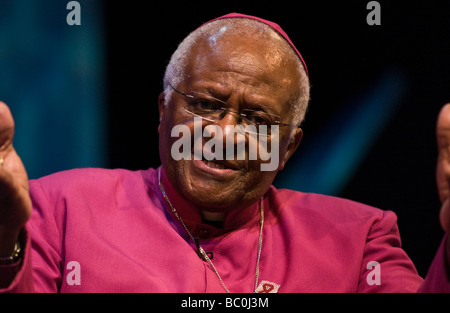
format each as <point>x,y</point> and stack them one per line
<point>259,57</point>
<point>220,31</point>
<point>266,25</point>
<point>247,42</point>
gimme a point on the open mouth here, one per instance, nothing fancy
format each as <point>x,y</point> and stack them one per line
<point>219,164</point>
<point>214,164</point>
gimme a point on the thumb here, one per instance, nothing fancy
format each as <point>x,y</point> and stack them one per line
<point>444,216</point>
<point>443,164</point>
<point>6,127</point>
<point>443,144</point>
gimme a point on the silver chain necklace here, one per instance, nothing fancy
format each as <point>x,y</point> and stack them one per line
<point>202,251</point>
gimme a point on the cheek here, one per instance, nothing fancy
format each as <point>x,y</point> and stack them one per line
<point>166,141</point>
<point>164,137</point>
<point>257,183</point>
<point>171,121</point>
<point>271,153</point>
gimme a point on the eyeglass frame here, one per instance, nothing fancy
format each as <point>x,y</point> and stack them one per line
<point>228,110</point>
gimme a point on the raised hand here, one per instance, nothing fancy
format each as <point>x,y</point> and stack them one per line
<point>443,165</point>
<point>15,201</point>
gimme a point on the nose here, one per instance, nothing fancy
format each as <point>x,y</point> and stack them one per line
<point>232,137</point>
<point>228,121</point>
<point>231,113</point>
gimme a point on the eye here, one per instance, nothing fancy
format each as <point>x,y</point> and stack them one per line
<point>204,105</point>
<point>257,117</point>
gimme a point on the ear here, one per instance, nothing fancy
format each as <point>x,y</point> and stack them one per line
<point>161,107</point>
<point>293,145</point>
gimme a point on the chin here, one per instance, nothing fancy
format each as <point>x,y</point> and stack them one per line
<point>220,191</point>
<point>212,199</point>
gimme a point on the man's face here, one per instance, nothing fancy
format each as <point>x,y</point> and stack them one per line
<point>246,74</point>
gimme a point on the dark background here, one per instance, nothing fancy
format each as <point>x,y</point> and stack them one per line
<point>86,96</point>
<point>344,56</point>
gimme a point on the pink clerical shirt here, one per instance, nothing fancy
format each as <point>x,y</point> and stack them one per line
<point>97,230</point>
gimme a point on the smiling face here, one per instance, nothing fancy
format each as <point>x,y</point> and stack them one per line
<point>246,73</point>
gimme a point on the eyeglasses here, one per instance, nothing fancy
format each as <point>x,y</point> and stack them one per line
<point>213,110</point>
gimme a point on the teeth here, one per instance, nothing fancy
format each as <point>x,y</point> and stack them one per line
<point>214,164</point>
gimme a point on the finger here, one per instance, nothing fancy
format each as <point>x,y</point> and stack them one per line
<point>10,162</point>
<point>6,127</point>
<point>443,127</point>
<point>444,216</point>
<point>443,162</point>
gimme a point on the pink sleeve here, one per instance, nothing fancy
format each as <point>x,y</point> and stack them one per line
<point>39,269</point>
<point>386,267</point>
<point>395,271</point>
<point>438,277</point>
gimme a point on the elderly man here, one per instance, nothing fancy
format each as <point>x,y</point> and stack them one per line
<point>208,220</point>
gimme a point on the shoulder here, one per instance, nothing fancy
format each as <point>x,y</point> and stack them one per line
<point>89,181</point>
<point>336,221</point>
<point>324,208</point>
<point>90,176</point>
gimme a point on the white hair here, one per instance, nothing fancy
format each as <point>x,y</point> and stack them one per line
<point>175,71</point>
